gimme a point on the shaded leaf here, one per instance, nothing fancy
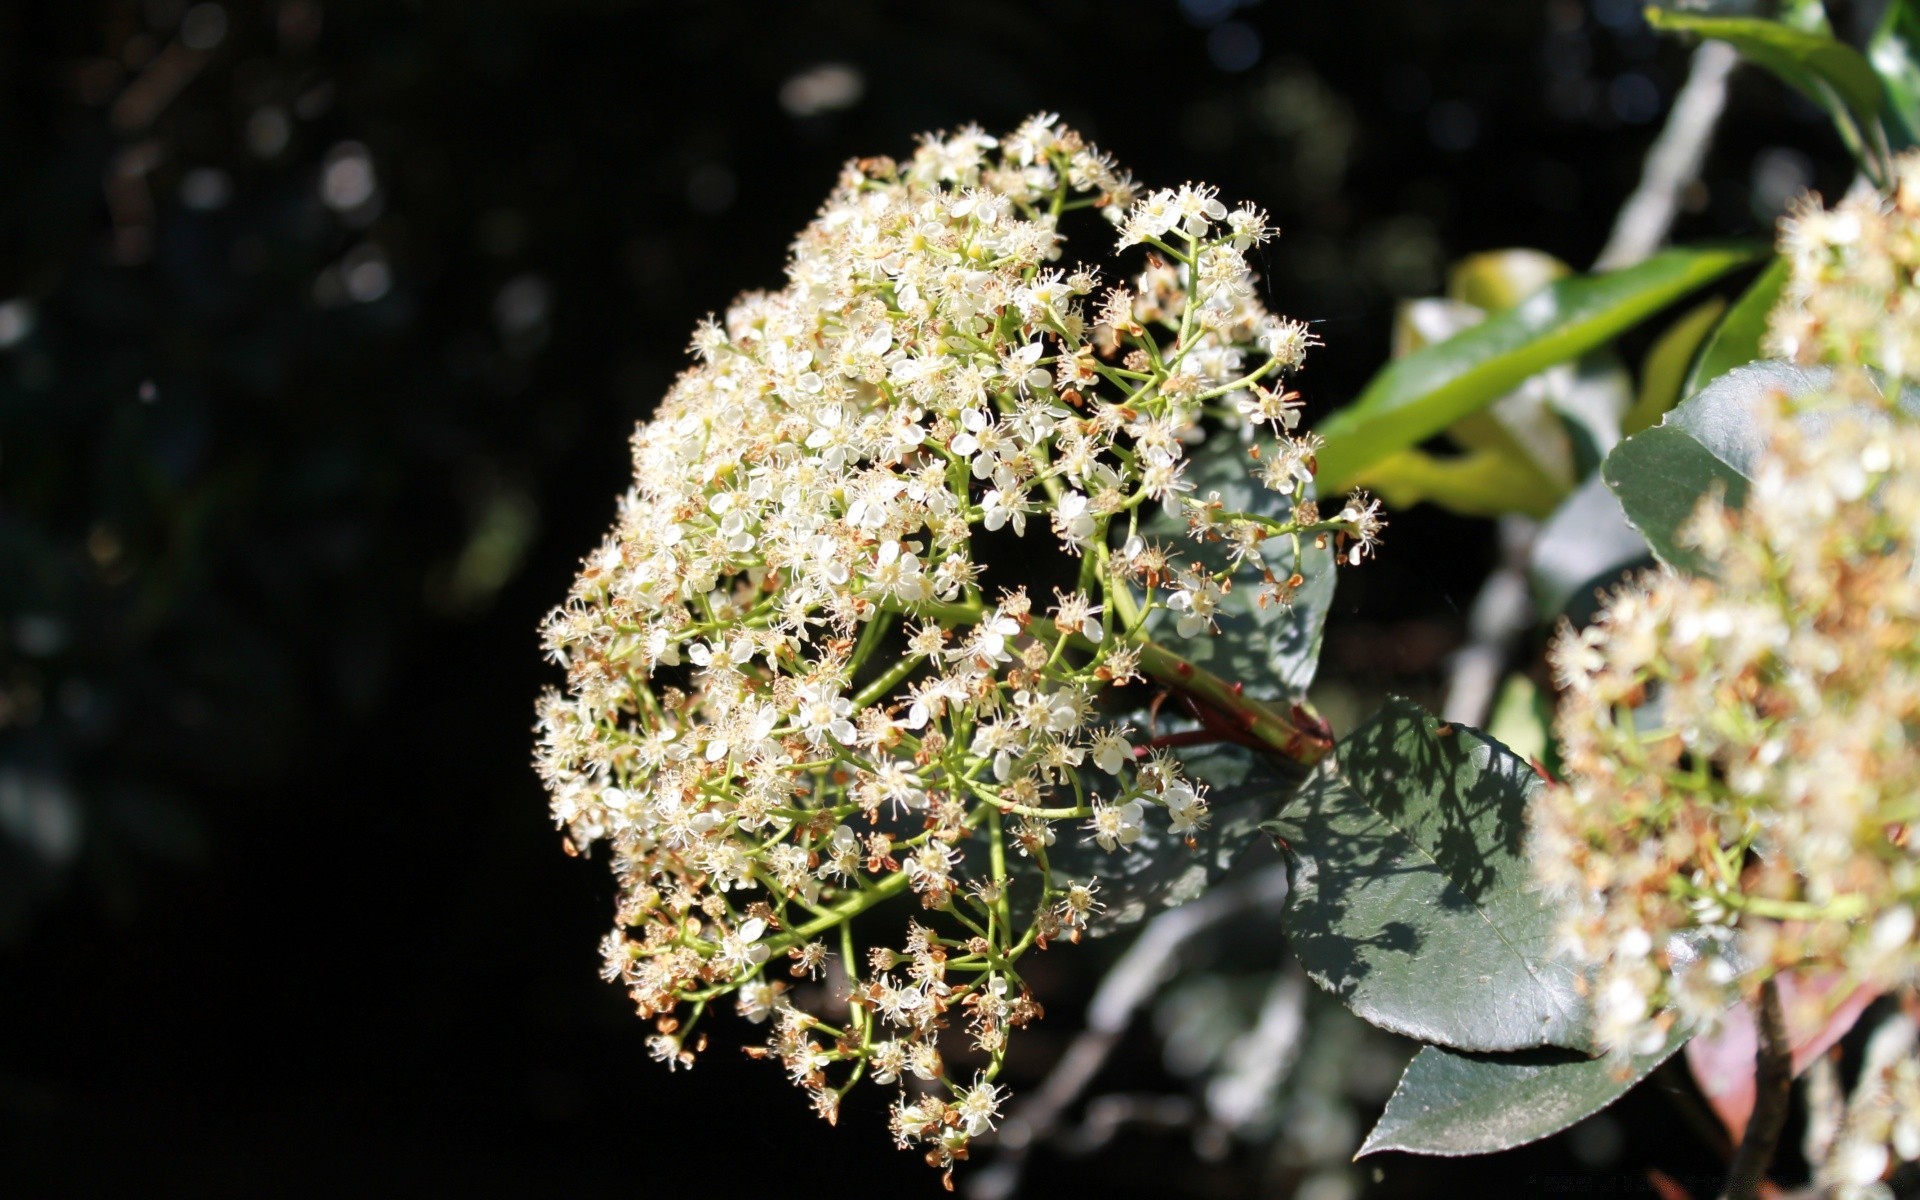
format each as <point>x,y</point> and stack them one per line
<point>1450,1103</point>
<point>1735,342</point>
<point>1426,392</point>
<point>1273,650</point>
<point>1160,871</point>
<point>1409,895</point>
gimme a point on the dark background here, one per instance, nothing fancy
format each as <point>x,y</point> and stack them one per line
<point>322,329</point>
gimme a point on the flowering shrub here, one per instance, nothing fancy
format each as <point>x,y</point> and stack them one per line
<point>885,553</point>
<point>1740,741</point>
<point>902,538</point>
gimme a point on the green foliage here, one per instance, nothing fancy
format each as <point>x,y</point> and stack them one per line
<point>1522,720</point>
<point>1158,872</point>
<point>1894,51</point>
<point>1479,483</point>
<point>1735,341</point>
<point>1710,441</point>
<point>1432,389</point>
<point>1825,70</point>
<point>1524,451</point>
<point>1664,373</point>
<point>1409,896</point>
<point>1273,650</point>
<point>1451,1103</point>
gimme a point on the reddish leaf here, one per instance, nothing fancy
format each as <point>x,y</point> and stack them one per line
<point>1723,1064</point>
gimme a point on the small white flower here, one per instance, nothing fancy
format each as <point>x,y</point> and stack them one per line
<point>1115,826</point>
<point>1111,750</point>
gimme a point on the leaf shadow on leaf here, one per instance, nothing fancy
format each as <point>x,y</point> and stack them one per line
<point>1161,870</point>
<point>1445,787</point>
<point>1411,898</point>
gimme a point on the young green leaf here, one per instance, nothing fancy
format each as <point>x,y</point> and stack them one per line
<point>1827,71</point>
<point>1415,397</point>
<point>1409,894</point>
<point>1522,719</point>
<point>1480,483</point>
<point>1663,374</point>
<point>1894,51</point>
<point>1450,1103</point>
<point>1735,342</point>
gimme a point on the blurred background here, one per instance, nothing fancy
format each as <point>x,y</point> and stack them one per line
<point>323,325</point>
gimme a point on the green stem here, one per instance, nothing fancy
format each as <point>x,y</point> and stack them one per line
<point>886,889</point>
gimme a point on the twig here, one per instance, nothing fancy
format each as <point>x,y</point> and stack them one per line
<point>1674,161</point>
<point>1127,988</point>
<point>1260,1061</point>
<point>1772,1096</point>
<point>1502,613</point>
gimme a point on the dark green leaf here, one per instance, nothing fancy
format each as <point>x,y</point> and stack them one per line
<point>1827,71</point>
<point>1709,441</point>
<point>1452,1103</point>
<point>1415,397</point>
<point>1274,650</point>
<point>1735,342</point>
<point>1160,870</point>
<point>1894,51</point>
<point>1410,897</point>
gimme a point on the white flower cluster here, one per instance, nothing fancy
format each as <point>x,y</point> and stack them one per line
<point>1850,295</point>
<point>1742,745</point>
<point>1739,746</point>
<point>1853,1141</point>
<point>790,695</point>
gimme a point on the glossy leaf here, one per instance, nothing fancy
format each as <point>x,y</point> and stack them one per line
<point>1735,342</point>
<point>1710,441</point>
<point>1450,1103</point>
<point>1517,455</point>
<point>1894,51</point>
<point>1827,71</point>
<point>1273,650</point>
<point>1424,393</point>
<point>1409,897</point>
